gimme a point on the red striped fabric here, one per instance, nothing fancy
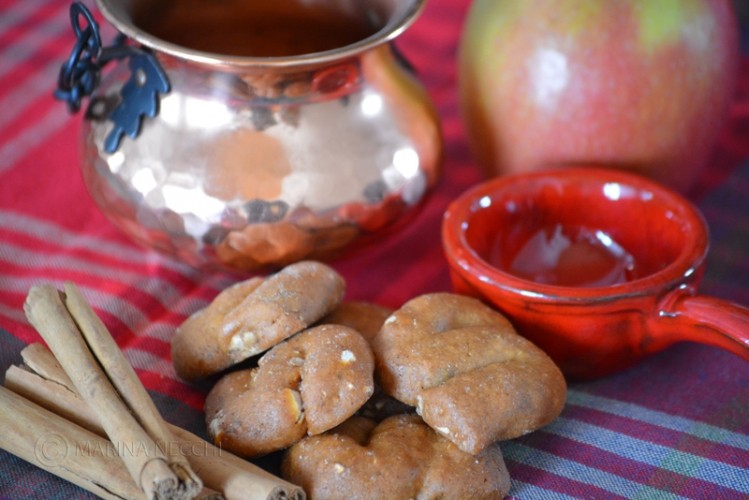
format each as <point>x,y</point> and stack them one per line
<point>677,424</point>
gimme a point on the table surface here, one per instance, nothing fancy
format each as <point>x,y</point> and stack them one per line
<point>676,425</point>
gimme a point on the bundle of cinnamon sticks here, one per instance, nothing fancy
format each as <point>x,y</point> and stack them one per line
<point>79,410</point>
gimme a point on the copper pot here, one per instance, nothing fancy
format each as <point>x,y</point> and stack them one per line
<point>244,135</point>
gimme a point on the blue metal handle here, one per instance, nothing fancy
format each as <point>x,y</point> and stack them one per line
<point>80,74</point>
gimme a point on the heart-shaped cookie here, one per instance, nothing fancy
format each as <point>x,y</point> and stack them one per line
<point>399,458</point>
<point>306,385</point>
<point>469,375</point>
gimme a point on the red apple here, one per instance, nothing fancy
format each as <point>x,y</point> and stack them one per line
<point>642,85</point>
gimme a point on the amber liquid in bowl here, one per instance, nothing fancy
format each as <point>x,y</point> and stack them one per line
<point>554,234</point>
<point>564,256</point>
<point>259,28</point>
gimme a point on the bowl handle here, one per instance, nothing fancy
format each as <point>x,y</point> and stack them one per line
<point>703,319</point>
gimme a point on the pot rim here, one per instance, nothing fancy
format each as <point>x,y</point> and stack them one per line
<point>116,13</point>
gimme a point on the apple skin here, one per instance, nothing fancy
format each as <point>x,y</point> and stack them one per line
<point>642,85</point>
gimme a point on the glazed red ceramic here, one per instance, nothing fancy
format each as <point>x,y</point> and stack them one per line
<point>597,267</point>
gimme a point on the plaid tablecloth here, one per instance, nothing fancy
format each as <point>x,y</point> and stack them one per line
<point>677,425</point>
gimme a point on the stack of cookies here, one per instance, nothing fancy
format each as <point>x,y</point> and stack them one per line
<point>367,402</point>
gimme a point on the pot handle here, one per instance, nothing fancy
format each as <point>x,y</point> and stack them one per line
<point>704,319</point>
<point>80,74</point>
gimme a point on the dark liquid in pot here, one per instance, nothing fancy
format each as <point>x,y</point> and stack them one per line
<point>250,28</point>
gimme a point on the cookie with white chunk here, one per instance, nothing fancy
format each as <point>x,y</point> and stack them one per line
<point>400,457</point>
<point>304,386</point>
<point>471,377</point>
<point>252,316</point>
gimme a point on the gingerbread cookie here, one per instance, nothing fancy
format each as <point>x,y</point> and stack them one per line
<point>470,376</point>
<point>196,352</point>
<point>364,317</point>
<point>399,458</point>
<point>367,318</point>
<point>306,385</point>
<point>251,317</point>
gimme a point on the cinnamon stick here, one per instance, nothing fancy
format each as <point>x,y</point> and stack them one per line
<point>235,477</point>
<point>128,385</point>
<point>56,398</point>
<point>63,448</point>
<point>146,463</point>
<point>43,381</point>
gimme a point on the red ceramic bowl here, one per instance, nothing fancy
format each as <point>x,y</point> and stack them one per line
<point>597,267</point>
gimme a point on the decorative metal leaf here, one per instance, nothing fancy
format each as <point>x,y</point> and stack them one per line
<point>79,77</point>
<point>140,97</point>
